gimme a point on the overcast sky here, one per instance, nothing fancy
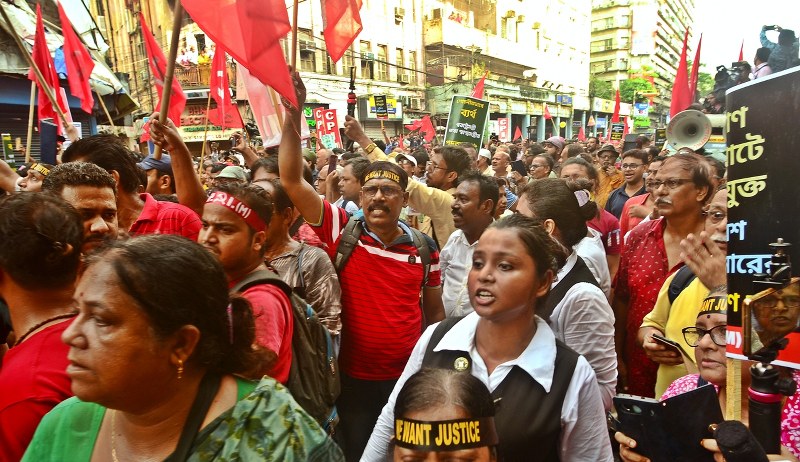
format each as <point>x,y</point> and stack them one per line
<point>724,24</point>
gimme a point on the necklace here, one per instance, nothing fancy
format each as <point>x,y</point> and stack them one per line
<point>43,323</point>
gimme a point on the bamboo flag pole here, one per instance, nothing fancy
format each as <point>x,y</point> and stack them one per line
<point>30,123</point>
<point>105,109</point>
<point>205,138</point>
<point>47,90</point>
<point>177,20</point>
<point>294,36</point>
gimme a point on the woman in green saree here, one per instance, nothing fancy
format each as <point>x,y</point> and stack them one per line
<point>153,353</point>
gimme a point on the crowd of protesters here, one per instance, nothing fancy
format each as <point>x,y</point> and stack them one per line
<point>474,312</point>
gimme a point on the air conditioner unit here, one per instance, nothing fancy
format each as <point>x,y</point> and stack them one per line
<point>403,78</point>
<point>101,24</point>
<point>306,45</point>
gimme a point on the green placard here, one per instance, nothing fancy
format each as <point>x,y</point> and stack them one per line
<point>467,121</point>
<point>8,150</point>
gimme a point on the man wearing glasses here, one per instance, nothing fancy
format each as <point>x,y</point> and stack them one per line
<point>682,187</point>
<point>705,258</point>
<point>381,280</point>
<point>634,163</point>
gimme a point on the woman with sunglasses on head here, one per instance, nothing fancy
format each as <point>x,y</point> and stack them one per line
<point>548,401</point>
<point>708,337</point>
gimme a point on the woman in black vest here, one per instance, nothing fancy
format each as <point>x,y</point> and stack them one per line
<point>548,406</point>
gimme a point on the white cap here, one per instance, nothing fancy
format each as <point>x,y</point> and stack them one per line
<point>485,153</point>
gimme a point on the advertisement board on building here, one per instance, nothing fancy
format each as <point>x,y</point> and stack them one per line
<point>762,185</point>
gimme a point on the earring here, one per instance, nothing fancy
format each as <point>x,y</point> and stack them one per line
<point>180,369</point>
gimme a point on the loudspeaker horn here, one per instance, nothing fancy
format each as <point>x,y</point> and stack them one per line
<point>688,129</point>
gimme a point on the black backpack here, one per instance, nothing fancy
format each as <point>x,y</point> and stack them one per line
<point>314,373</point>
<point>683,277</point>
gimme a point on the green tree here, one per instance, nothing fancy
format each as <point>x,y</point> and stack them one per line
<point>705,83</point>
<point>600,88</point>
<point>637,86</point>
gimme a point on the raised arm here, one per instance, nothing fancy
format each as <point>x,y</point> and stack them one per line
<point>290,160</point>
<point>187,184</point>
<point>8,177</point>
<point>355,132</point>
<point>242,146</point>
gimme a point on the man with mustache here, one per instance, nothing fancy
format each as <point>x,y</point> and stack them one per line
<point>92,191</point>
<point>652,253</point>
<point>382,317</point>
<point>474,203</point>
<point>682,293</point>
<point>609,178</point>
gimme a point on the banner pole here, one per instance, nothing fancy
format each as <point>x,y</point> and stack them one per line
<point>30,123</point>
<point>177,20</point>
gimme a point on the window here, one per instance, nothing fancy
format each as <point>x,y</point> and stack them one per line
<point>382,68</point>
<point>402,74</point>
<point>348,61</point>
<point>308,62</point>
<point>367,61</point>
<point>412,65</point>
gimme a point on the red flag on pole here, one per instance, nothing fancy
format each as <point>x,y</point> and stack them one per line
<point>158,67</point>
<point>615,116</point>
<point>341,23</point>
<point>547,112</point>
<point>477,92</point>
<point>415,125</point>
<point>226,115</point>
<point>581,135</point>
<point>517,133</point>
<point>695,70</point>
<point>427,127</point>
<point>44,61</point>
<point>741,52</point>
<point>250,30</point>
<point>79,63</point>
<point>681,99</point>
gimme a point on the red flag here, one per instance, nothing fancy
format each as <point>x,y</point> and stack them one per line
<point>477,92</point>
<point>158,67</point>
<point>415,125</point>
<point>517,133</point>
<point>44,61</point>
<point>681,99</point>
<point>547,112</point>
<point>695,70</point>
<point>427,127</point>
<point>741,52</point>
<point>581,135</point>
<point>79,63</point>
<point>615,116</point>
<point>250,30</point>
<point>624,128</point>
<point>341,23</point>
<point>226,115</point>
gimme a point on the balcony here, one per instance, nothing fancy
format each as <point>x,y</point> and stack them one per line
<point>198,76</point>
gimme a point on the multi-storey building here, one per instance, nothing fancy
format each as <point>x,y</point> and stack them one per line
<point>535,54</point>
<point>629,35</point>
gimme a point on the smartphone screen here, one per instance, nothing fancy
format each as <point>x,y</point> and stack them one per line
<point>332,160</point>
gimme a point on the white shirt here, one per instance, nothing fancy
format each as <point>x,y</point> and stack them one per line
<point>584,321</point>
<point>591,249</point>
<point>583,438</point>
<point>350,208</point>
<point>455,261</point>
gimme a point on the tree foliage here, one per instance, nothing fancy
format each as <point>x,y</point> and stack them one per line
<point>600,88</point>
<point>705,83</point>
<point>637,86</point>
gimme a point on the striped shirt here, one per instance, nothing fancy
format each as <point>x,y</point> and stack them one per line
<point>166,218</point>
<point>381,314</point>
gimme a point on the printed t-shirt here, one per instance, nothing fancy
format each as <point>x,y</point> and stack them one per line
<point>381,314</point>
<point>608,226</point>
<point>166,218</point>
<point>33,379</point>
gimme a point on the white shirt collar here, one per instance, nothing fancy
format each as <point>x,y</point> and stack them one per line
<point>538,359</point>
<point>562,272</point>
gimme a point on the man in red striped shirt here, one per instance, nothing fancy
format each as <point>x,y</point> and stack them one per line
<point>381,281</point>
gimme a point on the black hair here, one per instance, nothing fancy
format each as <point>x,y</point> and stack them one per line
<point>590,168</point>
<point>350,155</point>
<point>389,166</point>
<point>456,158</point>
<point>762,54</point>
<point>592,137</point>
<point>547,253</point>
<point>640,141</point>
<point>40,240</point>
<point>359,167</point>
<point>786,37</point>
<point>487,186</point>
<point>216,168</point>
<point>465,145</point>
<point>513,151</point>
<point>554,199</point>
<point>430,388</point>
<point>339,151</point>
<point>574,149</point>
<point>535,149</point>
<point>421,155</point>
<point>699,169</point>
<point>640,154</point>
<point>269,164</point>
<point>253,196</point>
<point>176,282</point>
<point>718,166</point>
<point>308,175</point>
<point>380,144</point>
<point>280,198</point>
<point>108,152</point>
<point>652,153</point>
<point>548,159</point>
<point>78,174</point>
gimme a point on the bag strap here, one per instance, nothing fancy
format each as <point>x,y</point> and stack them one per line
<point>424,253</point>
<point>682,279</point>
<point>579,273</point>
<point>348,241</point>
<point>261,277</point>
<point>208,389</point>
<point>302,285</point>
<point>296,226</point>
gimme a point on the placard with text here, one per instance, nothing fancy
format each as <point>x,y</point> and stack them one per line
<point>467,120</point>
<point>328,127</point>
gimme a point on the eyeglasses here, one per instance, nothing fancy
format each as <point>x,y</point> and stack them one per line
<point>771,301</point>
<point>535,166</point>
<point>692,335</point>
<point>716,216</point>
<point>387,191</point>
<point>630,166</point>
<point>435,166</point>
<point>672,183</point>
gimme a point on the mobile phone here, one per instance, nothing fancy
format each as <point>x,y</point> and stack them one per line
<point>519,167</point>
<point>332,161</point>
<point>670,344</point>
<point>234,141</point>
